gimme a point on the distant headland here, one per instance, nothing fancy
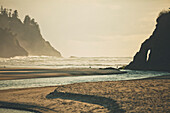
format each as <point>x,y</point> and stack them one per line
<point>154,52</point>
<point>19,38</point>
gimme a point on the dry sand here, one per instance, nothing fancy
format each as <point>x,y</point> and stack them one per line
<point>147,95</point>
<point>25,73</point>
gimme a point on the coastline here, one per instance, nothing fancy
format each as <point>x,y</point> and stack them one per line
<point>27,73</point>
<point>145,95</point>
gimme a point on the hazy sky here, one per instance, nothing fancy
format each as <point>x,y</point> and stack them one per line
<point>93,27</point>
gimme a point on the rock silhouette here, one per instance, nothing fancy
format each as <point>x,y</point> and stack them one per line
<point>154,53</point>
<point>27,33</point>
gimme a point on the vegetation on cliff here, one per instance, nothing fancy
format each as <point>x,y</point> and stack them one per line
<point>27,33</point>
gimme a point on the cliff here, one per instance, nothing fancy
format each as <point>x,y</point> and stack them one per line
<point>9,45</point>
<point>154,52</point>
<point>27,33</point>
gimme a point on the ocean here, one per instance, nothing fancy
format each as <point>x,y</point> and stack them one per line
<point>80,62</point>
<point>54,62</point>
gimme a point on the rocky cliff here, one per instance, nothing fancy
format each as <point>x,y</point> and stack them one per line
<point>9,45</point>
<point>154,53</point>
<point>27,33</point>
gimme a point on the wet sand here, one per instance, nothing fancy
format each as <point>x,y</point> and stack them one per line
<point>147,95</point>
<point>26,73</point>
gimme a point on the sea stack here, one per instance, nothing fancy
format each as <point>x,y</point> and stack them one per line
<point>26,34</point>
<point>154,53</point>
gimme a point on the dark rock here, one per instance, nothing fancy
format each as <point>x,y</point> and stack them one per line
<point>73,57</point>
<point>154,53</point>
<point>108,68</point>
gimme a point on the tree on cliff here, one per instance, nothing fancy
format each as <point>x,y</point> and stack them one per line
<point>4,11</point>
<point>15,14</point>
<point>27,20</point>
<point>7,12</point>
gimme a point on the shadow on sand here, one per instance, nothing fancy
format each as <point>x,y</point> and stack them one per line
<point>24,107</point>
<point>108,103</point>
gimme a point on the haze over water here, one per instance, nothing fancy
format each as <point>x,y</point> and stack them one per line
<point>54,62</point>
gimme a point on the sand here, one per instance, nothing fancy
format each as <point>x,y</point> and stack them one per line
<point>146,96</point>
<point>26,73</point>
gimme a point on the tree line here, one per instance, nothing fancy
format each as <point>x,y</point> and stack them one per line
<point>5,12</point>
<point>9,12</point>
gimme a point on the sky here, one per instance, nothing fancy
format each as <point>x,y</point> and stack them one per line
<point>92,28</point>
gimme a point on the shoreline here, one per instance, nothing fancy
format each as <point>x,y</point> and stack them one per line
<point>126,96</point>
<point>149,78</point>
<point>28,73</point>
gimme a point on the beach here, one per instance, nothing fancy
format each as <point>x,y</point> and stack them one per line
<point>27,73</point>
<point>146,95</point>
